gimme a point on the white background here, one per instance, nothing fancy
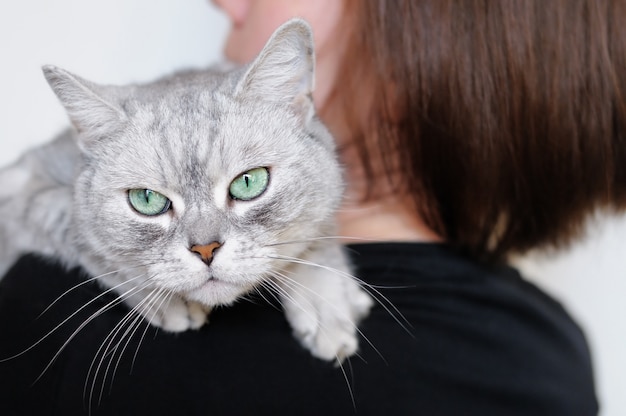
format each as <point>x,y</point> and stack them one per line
<point>120,41</point>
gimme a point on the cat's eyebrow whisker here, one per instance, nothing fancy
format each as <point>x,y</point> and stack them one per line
<point>372,290</point>
<point>76,312</point>
<point>119,299</point>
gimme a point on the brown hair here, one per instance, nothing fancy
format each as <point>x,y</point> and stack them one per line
<point>506,119</point>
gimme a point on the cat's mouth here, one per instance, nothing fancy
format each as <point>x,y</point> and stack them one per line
<point>213,282</point>
<point>215,291</point>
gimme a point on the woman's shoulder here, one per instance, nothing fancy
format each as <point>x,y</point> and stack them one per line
<point>439,268</point>
<point>479,333</point>
<point>434,278</point>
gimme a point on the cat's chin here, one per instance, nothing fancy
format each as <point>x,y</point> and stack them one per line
<point>216,292</point>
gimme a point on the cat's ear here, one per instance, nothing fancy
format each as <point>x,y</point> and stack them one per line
<point>91,107</point>
<point>284,71</point>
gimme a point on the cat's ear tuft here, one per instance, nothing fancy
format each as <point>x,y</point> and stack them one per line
<point>284,71</point>
<point>88,105</point>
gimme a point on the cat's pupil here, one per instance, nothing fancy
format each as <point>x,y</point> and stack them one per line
<point>246,178</point>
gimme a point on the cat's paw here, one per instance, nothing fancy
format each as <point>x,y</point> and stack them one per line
<point>180,315</point>
<point>328,339</point>
<point>325,320</point>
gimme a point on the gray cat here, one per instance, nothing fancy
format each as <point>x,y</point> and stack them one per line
<point>191,191</point>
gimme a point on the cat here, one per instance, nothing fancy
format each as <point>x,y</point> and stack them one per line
<point>194,190</point>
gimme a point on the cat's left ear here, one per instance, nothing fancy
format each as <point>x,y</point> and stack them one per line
<point>284,71</point>
<point>92,108</point>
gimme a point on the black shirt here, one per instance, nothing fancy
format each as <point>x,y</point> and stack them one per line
<point>477,341</point>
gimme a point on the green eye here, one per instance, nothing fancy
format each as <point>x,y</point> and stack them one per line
<point>148,202</point>
<point>250,184</point>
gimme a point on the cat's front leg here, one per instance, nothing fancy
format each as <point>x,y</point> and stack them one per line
<point>325,303</point>
<point>36,195</point>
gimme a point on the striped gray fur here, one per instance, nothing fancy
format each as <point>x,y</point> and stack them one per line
<point>187,136</point>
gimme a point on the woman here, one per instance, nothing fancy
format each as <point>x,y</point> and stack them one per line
<point>470,131</point>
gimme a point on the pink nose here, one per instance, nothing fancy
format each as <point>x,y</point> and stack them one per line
<point>206,252</point>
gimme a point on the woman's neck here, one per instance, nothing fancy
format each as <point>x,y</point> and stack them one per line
<point>389,220</point>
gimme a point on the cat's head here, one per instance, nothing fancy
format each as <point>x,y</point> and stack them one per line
<point>203,182</point>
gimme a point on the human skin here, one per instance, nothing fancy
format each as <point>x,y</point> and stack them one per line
<point>252,22</point>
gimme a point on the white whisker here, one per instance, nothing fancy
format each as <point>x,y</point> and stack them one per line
<point>339,360</point>
<point>40,340</point>
<point>389,307</point>
<point>105,348</point>
<point>313,239</point>
<point>148,324</point>
<point>259,292</point>
<point>348,383</point>
<point>294,284</point>
<point>297,285</point>
<point>93,316</point>
<point>82,284</point>
<point>140,315</point>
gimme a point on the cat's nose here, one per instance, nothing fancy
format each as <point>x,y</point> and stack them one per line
<point>207,251</point>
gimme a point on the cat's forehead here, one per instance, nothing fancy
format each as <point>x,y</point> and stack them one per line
<point>189,129</point>
<point>213,114</point>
